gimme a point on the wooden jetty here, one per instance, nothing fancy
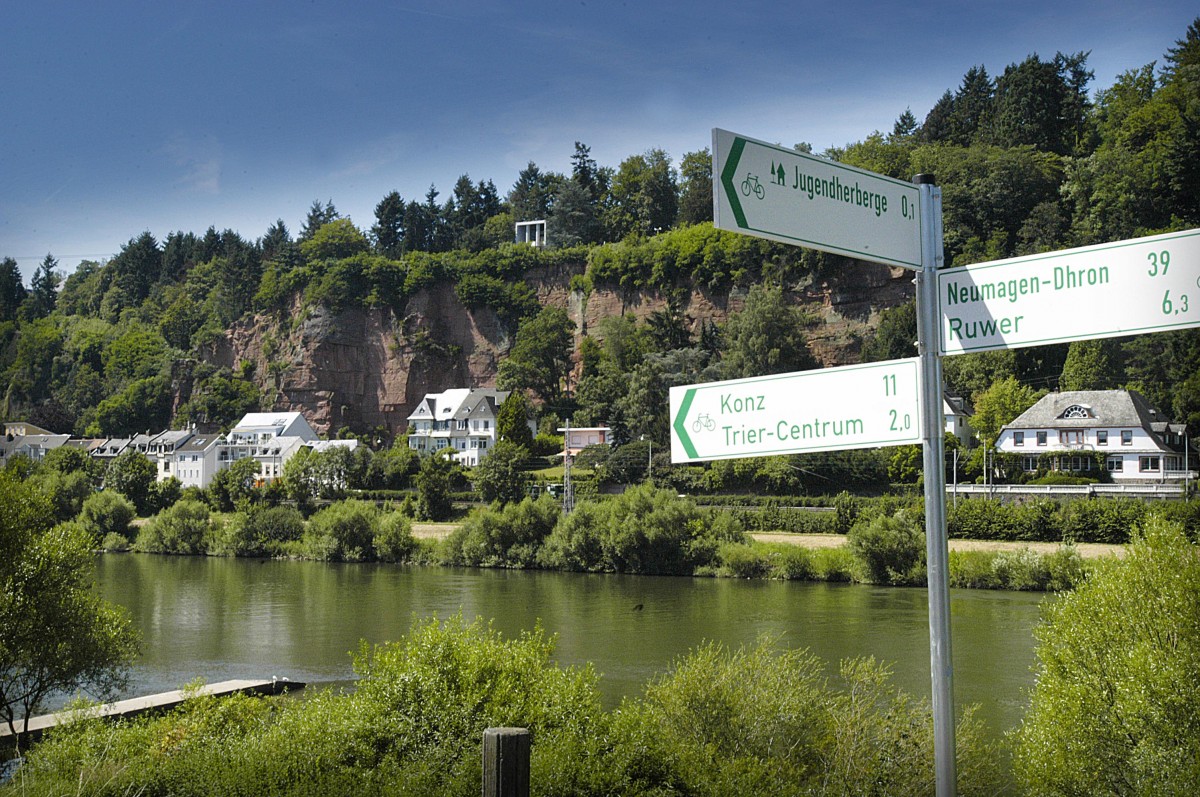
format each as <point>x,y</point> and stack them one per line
<point>163,701</point>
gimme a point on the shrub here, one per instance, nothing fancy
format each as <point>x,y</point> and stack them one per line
<point>181,529</point>
<point>973,570</point>
<point>743,561</point>
<point>115,542</point>
<point>833,564</point>
<point>509,536</point>
<point>1116,704</point>
<point>107,512</point>
<point>342,532</point>
<point>891,550</point>
<point>394,541</point>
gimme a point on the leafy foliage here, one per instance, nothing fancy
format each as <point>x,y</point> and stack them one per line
<point>1115,709</point>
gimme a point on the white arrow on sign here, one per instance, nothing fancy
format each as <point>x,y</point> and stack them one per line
<point>1123,288</point>
<point>784,195</point>
<point>855,406</point>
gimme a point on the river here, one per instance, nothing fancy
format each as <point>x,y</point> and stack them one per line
<point>217,619</point>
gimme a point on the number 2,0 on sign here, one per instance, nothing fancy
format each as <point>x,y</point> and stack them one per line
<point>858,406</point>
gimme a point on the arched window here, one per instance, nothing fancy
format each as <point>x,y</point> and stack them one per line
<point>1076,411</point>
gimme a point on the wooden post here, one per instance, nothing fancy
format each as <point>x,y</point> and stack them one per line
<point>506,762</point>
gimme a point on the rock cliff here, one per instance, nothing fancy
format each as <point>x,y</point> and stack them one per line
<point>366,369</point>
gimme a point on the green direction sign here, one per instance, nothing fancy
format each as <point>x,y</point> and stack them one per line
<point>784,195</point>
<point>1123,288</point>
<point>856,406</point>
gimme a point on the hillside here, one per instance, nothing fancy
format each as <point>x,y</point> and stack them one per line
<point>366,368</point>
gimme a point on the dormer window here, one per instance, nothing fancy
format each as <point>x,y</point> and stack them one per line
<point>1076,411</point>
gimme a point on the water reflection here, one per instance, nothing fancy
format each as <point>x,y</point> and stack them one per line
<point>225,618</point>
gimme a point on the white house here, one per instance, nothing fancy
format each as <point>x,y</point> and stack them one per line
<point>271,438</point>
<point>462,418</point>
<point>33,446</point>
<point>1135,442</point>
<point>160,449</point>
<point>958,419</point>
<point>195,461</point>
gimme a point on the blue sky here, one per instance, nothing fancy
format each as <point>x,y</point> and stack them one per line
<point>120,117</point>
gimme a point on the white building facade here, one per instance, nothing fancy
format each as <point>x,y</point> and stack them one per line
<point>1093,431</point>
<point>463,419</point>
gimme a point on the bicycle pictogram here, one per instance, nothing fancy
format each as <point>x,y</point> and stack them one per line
<point>751,183</point>
<point>703,421</point>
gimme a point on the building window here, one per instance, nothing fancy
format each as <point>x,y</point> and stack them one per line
<point>1076,411</point>
<point>1030,464</point>
<point>1068,438</point>
<point>1126,437</point>
<point>1114,463</point>
<point>1041,438</point>
<point>1018,438</point>
<point>1102,438</point>
<point>1148,463</point>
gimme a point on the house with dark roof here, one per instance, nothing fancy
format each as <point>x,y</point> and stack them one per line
<point>1116,431</point>
<point>462,418</point>
<point>195,461</point>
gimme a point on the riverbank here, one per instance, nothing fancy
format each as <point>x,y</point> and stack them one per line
<point>1086,550</point>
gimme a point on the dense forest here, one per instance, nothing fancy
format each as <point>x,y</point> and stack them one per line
<point>1033,159</point>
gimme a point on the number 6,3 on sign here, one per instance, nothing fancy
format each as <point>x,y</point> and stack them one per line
<point>1124,288</point>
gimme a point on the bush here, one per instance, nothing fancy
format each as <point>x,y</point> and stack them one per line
<point>260,531</point>
<point>115,542</point>
<point>182,529</point>
<point>1116,704</point>
<point>342,532</point>
<point>891,550</point>
<point>509,536</point>
<point>107,512</point>
<point>833,564</point>
<point>394,541</point>
<point>743,561</point>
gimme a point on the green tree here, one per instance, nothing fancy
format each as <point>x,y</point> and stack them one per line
<point>181,529</point>
<point>56,634</point>
<point>336,240</point>
<point>644,196</point>
<point>389,225</point>
<point>500,476</point>
<point>540,357</point>
<point>318,216</point>
<point>43,291</point>
<point>695,189</point>
<point>1000,404</point>
<point>434,481</point>
<point>234,487</point>
<point>896,335</point>
<point>1092,365</point>
<point>512,420</point>
<point>131,475</point>
<point>1116,706</point>
<point>12,289</point>
<point>766,337</point>
<point>572,220</point>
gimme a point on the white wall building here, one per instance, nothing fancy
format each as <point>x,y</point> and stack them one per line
<point>1135,442</point>
<point>194,462</point>
<point>462,418</point>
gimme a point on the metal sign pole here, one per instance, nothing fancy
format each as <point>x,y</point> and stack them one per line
<point>936,546</point>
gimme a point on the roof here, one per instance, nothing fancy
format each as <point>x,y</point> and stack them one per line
<point>198,444</point>
<point>254,420</point>
<point>459,402</point>
<point>1093,407</point>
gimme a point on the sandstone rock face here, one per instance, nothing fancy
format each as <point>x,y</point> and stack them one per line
<point>367,369</point>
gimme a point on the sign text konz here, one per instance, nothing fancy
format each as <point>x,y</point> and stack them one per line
<point>858,406</point>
